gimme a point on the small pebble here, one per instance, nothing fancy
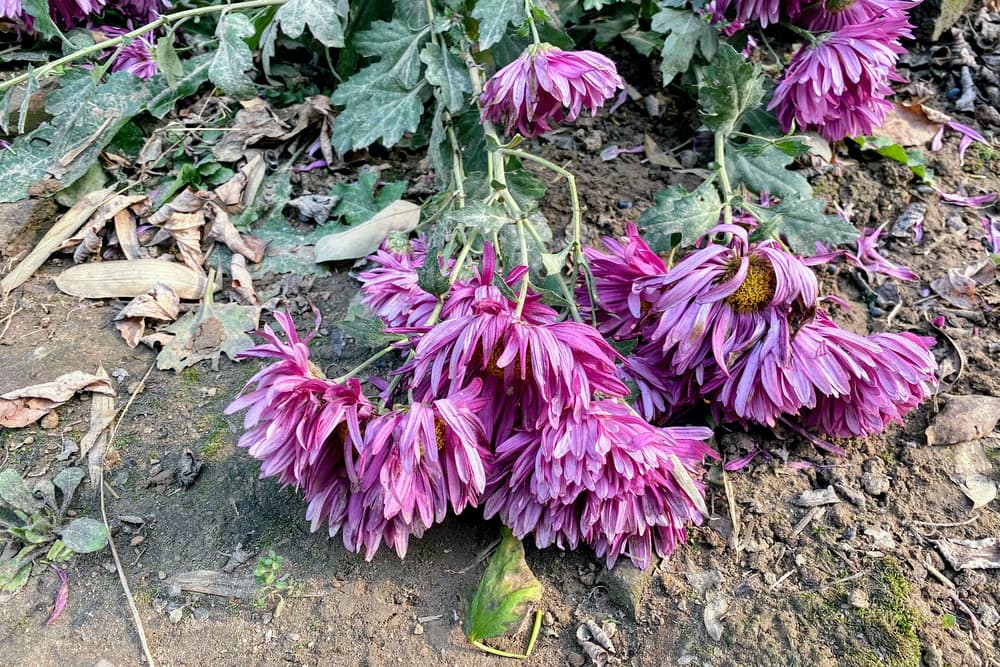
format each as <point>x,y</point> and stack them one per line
<point>137,540</point>
<point>176,615</point>
<point>49,421</point>
<point>161,575</point>
<point>988,615</point>
<point>199,613</point>
<point>576,659</point>
<point>875,483</point>
<point>624,204</point>
<point>418,629</point>
<point>858,599</point>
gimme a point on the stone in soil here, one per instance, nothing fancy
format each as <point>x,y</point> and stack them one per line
<point>627,584</point>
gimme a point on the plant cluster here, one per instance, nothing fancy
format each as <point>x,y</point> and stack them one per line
<point>565,391</point>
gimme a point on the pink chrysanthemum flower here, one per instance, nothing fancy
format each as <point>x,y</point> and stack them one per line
<point>838,86</point>
<point>882,387</point>
<point>622,300</point>
<point>829,15</point>
<point>294,411</point>
<point>720,299</point>
<point>836,382</point>
<point>547,85</point>
<point>392,291</point>
<point>607,478</point>
<point>139,11</point>
<point>67,13</point>
<point>658,394</point>
<point>136,57</point>
<point>551,367</point>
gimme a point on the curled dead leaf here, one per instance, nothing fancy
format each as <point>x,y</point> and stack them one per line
<point>364,239</point>
<point>130,278</point>
<point>27,405</point>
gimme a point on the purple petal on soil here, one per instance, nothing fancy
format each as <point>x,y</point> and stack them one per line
<point>744,461</point>
<point>315,164</point>
<point>61,597</point>
<point>968,200</point>
<point>620,100</point>
<point>612,151</point>
<point>940,321</point>
<point>993,233</point>
<point>816,441</point>
<point>969,136</point>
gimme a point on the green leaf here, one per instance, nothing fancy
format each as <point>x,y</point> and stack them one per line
<point>43,25</point>
<point>85,535</point>
<point>643,41</point>
<point>524,187</point>
<point>506,592</point>
<point>367,331</point>
<point>727,89</point>
<point>167,60</point>
<point>687,32</point>
<point>67,481</point>
<point>233,57</point>
<point>359,201</point>
<point>430,278</point>
<point>325,18</point>
<point>680,217</point>
<point>509,247</point>
<point>15,493</point>
<point>195,73</point>
<point>766,171</point>
<point>486,220</point>
<point>86,117</point>
<point>377,109</point>
<point>913,158</point>
<point>447,73</point>
<point>803,223</point>
<point>493,17</point>
<point>397,46</point>
<point>14,573</point>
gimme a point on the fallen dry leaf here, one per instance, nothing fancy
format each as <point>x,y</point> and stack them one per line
<point>364,239</point>
<point>186,229</point>
<point>253,123</point>
<point>65,227</point>
<point>970,554</point>
<point>160,303</point>
<point>908,126</point>
<point>964,418</point>
<point>980,489</point>
<point>240,190</point>
<point>94,443</point>
<point>128,240</point>
<point>242,281</point>
<point>958,286</point>
<point>130,278</point>
<point>223,230</point>
<point>657,156</point>
<point>27,405</point>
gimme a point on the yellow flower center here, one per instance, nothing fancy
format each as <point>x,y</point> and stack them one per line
<point>757,288</point>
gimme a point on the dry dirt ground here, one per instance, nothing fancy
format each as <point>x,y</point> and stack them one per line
<point>856,583</point>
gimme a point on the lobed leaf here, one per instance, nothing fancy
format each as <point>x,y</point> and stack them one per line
<point>766,171</point>
<point>447,73</point>
<point>233,57</point>
<point>359,201</point>
<point>728,88</point>
<point>325,18</point>
<point>686,33</point>
<point>493,17</point>
<point>680,217</point>
<point>803,223</point>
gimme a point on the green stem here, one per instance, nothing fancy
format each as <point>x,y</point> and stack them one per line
<point>456,161</point>
<point>364,364</point>
<point>802,32</point>
<point>523,296</point>
<point>529,12</point>
<point>574,195</point>
<point>430,19</point>
<point>570,299</point>
<point>166,19</point>
<point>495,651</point>
<point>727,188</point>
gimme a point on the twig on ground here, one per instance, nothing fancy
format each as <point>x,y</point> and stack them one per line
<point>483,555</point>
<point>136,618</point>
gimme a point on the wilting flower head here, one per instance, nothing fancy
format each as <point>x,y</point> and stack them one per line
<point>606,478</point>
<point>659,393</point>
<point>839,85</point>
<point>136,57</point>
<point>720,299</point>
<point>764,11</point>
<point>139,11</point>
<point>551,367</point>
<point>392,290</point>
<point>621,298</point>
<point>67,13</point>
<point>294,412</point>
<point>882,387</point>
<point>547,85</point>
<point>836,382</point>
<point>828,15</point>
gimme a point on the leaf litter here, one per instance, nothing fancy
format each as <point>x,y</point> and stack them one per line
<point>21,407</point>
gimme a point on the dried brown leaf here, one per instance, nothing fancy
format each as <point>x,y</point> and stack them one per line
<point>253,123</point>
<point>364,239</point>
<point>160,303</point>
<point>65,227</point>
<point>224,231</point>
<point>130,278</point>
<point>242,281</point>
<point>186,230</point>
<point>94,443</point>
<point>24,406</point>
<point>212,582</point>
<point>908,126</point>
<point>240,190</point>
<point>970,554</point>
<point>958,286</point>
<point>125,230</point>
